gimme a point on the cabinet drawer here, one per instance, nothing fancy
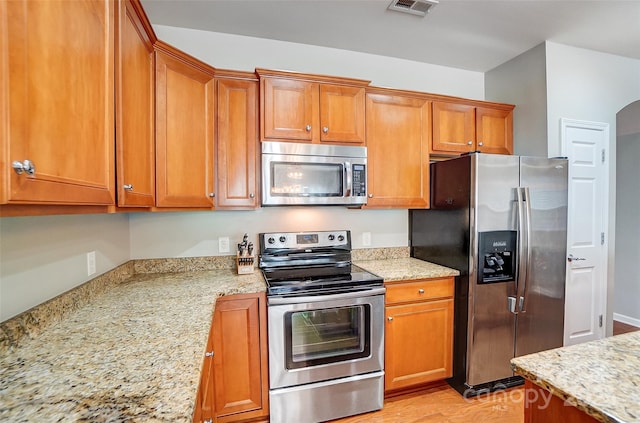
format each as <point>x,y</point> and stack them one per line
<point>418,290</point>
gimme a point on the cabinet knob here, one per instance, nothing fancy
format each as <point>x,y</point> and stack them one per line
<point>480,143</point>
<point>22,167</point>
<point>208,421</point>
<point>208,354</point>
<point>212,194</point>
<point>308,128</point>
<point>370,195</point>
<point>469,142</point>
<point>325,129</point>
<point>390,318</point>
<point>251,195</point>
<point>128,187</point>
<point>420,291</point>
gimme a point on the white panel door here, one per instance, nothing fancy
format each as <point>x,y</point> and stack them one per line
<point>584,144</point>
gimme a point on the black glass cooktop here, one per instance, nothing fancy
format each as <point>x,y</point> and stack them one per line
<point>278,283</point>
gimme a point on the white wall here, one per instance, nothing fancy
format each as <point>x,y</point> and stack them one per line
<point>522,81</point>
<point>228,51</point>
<point>43,256</point>
<point>592,86</point>
<point>196,234</point>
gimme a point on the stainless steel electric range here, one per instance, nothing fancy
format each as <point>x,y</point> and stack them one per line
<point>326,328</point>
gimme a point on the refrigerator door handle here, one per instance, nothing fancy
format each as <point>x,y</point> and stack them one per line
<point>516,303</point>
<point>522,304</point>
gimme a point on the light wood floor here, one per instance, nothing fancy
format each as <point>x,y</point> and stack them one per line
<point>442,404</point>
<point>620,328</point>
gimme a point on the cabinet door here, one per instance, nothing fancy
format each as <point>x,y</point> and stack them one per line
<point>494,130</point>
<point>56,101</point>
<point>184,133</point>
<point>289,110</point>
<point>135,138</point>
<point>342,114</point>
<point>454,128</point>
<point>398,135</point>
<point>237,141</point>
<point>204,409</point>
<point>240,357</point>
<point>418,343</point>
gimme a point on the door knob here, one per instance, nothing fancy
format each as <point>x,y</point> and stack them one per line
<point>572,258</point>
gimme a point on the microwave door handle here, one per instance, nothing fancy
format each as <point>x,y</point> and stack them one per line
<point>348,180</point>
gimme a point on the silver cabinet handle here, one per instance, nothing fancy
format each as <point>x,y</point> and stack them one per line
<point>325,129</point>
<point>390,318</point>
<point>251,195</point>
<point>25,166</point>
<point>469,142</point>
<point>128,187</point>
<point>208,421</point>
<point>308,128</point>
<point>370,195</point>
<point>480,143</point>
<point>212,194</point>
<point>420,291</point>
<point>572,258</point>
<point>208,354</point>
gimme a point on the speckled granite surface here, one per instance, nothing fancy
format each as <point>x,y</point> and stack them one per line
<point>128,345</point>
<point>132,355</point>
<point>405,269</point>
<point>602,378</point>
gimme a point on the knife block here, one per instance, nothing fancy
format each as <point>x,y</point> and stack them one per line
<point>246,264</point>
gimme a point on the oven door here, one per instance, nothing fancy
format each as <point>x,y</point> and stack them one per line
<point>325,337</point>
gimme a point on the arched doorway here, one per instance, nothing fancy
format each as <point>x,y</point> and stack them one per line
<point>626,302</point>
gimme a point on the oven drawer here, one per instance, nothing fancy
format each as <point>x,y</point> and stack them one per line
<point>418,290</point>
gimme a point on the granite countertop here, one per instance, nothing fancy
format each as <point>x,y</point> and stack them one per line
<point>405,268</point>
<point>134,354</point>
<point>129,345</point>
<point>601,378</point>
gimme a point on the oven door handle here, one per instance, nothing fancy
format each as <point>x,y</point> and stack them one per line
<point>315,298</point>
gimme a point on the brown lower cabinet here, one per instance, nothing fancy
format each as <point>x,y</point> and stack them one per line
<point>418,333</point>
<point>234,382</point>
<point>538,408</point>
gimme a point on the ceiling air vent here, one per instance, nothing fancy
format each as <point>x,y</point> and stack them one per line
<point>414,7</point>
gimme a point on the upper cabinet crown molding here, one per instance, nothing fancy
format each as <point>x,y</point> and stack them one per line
<point>178,54</point>
<point>326,79</point>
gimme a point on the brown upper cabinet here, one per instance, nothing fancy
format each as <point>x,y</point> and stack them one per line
<point>135,90</point>
<point>311,108</point>
<point>237,140</point>
<point>398,136</point>
<point>460,127</point>
<point>57,103</point>
<point>185,120</point>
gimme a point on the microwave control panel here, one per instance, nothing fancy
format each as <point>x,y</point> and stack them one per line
<point>359,180</point>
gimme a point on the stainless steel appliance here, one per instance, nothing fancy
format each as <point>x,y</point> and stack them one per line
<point>326,328</point>
<point>501,221</point>
<point>312,174</point>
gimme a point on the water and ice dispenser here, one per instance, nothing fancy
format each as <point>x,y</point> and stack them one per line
<point>497,252</point>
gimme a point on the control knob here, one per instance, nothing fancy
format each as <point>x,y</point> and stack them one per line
<point>340,238</point>
<point>283,238</point>
<point>271,240</point>
<point>332,237</point>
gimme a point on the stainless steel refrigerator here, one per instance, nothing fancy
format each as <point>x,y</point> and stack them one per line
<point>502,222</point>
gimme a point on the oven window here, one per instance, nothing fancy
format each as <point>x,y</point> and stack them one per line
<point>306,179</point>
<point>327,335</point>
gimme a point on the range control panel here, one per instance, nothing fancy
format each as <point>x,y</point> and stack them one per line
<point>305,240</point>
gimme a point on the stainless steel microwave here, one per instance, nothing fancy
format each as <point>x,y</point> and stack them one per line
<point>313,174</point>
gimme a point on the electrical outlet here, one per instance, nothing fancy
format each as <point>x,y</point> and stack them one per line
<point>223,244</point>
<point>91,263</point>
<point>366,239</point>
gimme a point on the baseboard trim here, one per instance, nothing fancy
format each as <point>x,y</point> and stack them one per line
<point>626,319</point>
